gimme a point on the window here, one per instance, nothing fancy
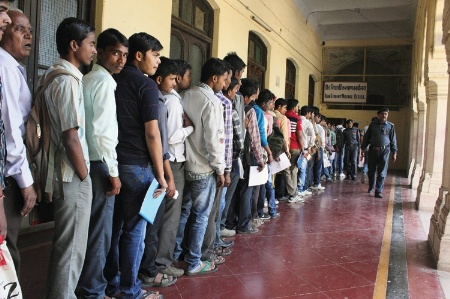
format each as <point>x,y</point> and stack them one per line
<point>289,90</point>
<point>191,37</point>
<point>385,69</point>
<point>257,59</point>
<point>311,90</point>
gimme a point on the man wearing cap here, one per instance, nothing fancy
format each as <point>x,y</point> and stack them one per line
<point>382,140</point>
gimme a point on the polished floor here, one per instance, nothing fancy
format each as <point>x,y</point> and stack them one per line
<point>340,243</point>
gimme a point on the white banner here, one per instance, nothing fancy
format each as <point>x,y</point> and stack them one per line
<point>345,92</point>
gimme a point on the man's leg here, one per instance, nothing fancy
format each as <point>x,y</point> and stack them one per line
<point>92,282</point>
<point>13,203</point>
<point>373,162</point>
<point>210,233</point>
<point>184,216</point>
<point>70,241</point>
<point>383,163</point>
<point>245,204</point>
<point>229,195</point>
<point>202,193</point>
<point>170,223</point>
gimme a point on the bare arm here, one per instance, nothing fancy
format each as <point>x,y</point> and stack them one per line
<point>169,178</point>
<point>154,146</point>
<point>74,152</point>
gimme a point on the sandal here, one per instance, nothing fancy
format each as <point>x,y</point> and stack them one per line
<point>161,280</point>
<point>222,251</point>
<point>151,295</point>
<point>205,268</point>
<point>218,260</point>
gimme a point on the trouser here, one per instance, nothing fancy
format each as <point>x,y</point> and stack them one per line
<point>280,186</point>
<point>92,282</point>
<point>302,164</point>
<point>290,173</point>
<point>169,227</point>
<point>378,163</point>
<point>219,220</point>
<point>210,233</point>
<point>255,199</point>
<point>151,242</point>
<point>70,241</point>
<point>230,196</point>
<point>129,229</point>
<point>318,165</point>
<point>267,191</point>
<point>13,204</point>
<point>351,159</point>
<point>245,202</point>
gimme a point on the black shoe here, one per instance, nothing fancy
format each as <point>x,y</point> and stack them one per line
<point>353,178</point>
<point>264,216</point>
<point>378,195</point>
<point>251,230</point>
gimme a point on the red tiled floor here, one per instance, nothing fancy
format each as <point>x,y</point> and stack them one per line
<point>327,247</point>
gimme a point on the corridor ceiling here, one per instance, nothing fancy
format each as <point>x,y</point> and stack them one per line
<point>360,19</point>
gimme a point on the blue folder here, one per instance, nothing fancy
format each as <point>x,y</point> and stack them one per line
<point>151,205</point>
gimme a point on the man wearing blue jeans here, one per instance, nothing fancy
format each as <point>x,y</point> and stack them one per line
<point>140,158</point>
<point>205,163</point>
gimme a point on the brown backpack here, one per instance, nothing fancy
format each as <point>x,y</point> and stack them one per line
<point>38,141</point>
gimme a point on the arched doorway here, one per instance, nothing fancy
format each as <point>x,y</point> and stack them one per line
<point>291,73</point>
<point>257,59</point>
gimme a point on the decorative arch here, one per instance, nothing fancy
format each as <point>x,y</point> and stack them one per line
<point>257,58</point>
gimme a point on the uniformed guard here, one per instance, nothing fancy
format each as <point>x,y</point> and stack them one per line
<point>382,139</point>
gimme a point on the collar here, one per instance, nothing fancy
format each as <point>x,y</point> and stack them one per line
<point>69,66</point>
<point>205,86</point>
<point>172,92</point>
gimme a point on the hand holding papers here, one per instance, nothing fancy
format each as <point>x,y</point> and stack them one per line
<point>258,177</point>
<point>280,165</point>
<point>152,201</point>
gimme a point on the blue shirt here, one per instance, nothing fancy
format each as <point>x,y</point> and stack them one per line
<point>379,135</point>
<point>260,118</point>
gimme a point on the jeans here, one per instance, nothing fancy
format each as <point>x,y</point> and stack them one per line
<point>221,209</point>
<point>211,228</point>
<point>70,241</point>
<point>290,173</point>
<point>92,282</point>
<point>244,202</point>
<point>378,162</point>
<point>267,191</point>
<point>302,164</point>
<point>366,163</point>
<point>339,158</point>
<point>127,242</point>
<point>318,165</point>
<point>198,199</point>
<point>230,198</point>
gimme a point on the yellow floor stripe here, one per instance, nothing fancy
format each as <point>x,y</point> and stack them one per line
<point>383,265</point>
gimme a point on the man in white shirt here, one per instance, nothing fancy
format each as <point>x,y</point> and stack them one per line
<point>308,140</point>
<point>20,195</point>
<point>318,157</point>
<point>101,136</point>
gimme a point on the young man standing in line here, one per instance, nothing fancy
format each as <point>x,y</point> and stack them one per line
<point>20,195</point>
<point>140,157</point>
<point>75,41</point>
<point>205,163</point>
<point>101,135</point>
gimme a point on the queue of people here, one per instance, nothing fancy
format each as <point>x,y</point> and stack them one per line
<point>135,118</point>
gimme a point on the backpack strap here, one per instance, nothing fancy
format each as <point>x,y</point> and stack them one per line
<point>54,152</point>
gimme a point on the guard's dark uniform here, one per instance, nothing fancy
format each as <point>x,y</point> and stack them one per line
<point>351,141</point>
<point>382,140</point>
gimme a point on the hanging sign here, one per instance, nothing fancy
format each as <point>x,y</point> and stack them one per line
<point>345,92</point>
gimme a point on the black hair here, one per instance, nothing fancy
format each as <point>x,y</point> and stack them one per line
<point>165,68</point>
<point>183,66</point>
<point>280,102</point>
<point>348,121</point>
<point>264,96</point>
<point>71,29</point>
<point>249,87</point>
<point>316,110</point>
<point>236,63</point>
<point>305,110</point>
<point>213,67</point>
<point>111,37</point>
<point>291,103</point>
<point>374,119</point>
<point>233,83</point>
<point>142,42</point>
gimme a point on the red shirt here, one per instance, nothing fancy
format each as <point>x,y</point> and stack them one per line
<point>296,125</point>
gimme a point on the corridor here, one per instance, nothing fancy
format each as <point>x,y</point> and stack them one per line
<point>341,243</point>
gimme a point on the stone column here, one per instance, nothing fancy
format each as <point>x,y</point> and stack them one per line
<point>439,235</point>
<point>419,139</point>
<point>436,86</point>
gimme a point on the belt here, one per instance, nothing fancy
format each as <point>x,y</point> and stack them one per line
<point>379,147</point>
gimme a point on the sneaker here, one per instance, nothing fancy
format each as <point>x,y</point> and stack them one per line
<point>276,215</point>
<point>307,192</point>
<point>341,176</point>
<point>301,193</point>
<point>227,232</point>
<point>277,201</point>
<point>251,230</point>
<point>318,187</point>
<point>370,191</point>
<point>363,178</point>
<point>292,199</point>
<point>266,204</point>
<point>256,222</point>
<point>172,271</point>
<point>264,216</point>
<point>378,195</point>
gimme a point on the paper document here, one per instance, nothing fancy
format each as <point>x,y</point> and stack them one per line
<point>258,178</point>
<point>151,205</point>
<point>278,166</point>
